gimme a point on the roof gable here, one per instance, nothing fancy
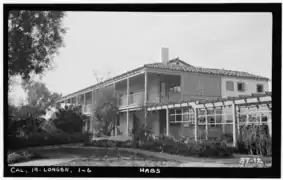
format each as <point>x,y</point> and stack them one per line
<point>179,62</point>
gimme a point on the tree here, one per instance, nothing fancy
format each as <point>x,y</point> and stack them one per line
<point>39,97</point>
<point>100,79</point>
<point>70,119</point>
<point>34,37</point>
<point>106,111</point>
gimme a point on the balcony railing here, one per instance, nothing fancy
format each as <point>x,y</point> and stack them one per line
<point>134,99</point>
<point>87,109</point>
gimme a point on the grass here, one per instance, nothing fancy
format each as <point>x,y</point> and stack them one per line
<point>114,157</point>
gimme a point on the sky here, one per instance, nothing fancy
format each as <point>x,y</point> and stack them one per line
<point>116,42</point>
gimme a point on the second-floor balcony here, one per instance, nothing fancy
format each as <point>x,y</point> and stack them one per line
<point>134,99</point>
<point>87,109</point>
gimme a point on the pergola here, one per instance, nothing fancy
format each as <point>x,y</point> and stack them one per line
<point>234,103</point>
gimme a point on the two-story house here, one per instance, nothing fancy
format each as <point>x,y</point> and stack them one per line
<point>167,81</point>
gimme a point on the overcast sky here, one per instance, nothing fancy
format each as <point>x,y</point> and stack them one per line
<point>120,41</point>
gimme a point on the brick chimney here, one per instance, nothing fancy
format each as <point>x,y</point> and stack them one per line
<point>164,55</point>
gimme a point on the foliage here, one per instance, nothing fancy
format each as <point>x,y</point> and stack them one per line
<point>39,97</point>
<point>24,124</point>
<point>43,139</point>
<point>142,135</point>
<point>34,37</point>
<point>169,145</point>
<point>106,111</point>
<point>255,140</point>
<point>70,119</point>
<point>87,137</point>
<point>110,143</point>
<point>14,157</point>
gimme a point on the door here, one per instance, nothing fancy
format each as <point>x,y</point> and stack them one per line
<point>162,121</point>
<point>135,122</point>
<point>163,92</point>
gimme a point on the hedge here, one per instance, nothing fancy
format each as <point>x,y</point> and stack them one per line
<point>171,146</point>
<point>43,140</point>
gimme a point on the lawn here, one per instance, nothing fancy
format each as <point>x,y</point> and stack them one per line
<point>106,157</point>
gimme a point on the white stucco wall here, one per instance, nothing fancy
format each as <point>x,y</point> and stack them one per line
<point>250,86</point>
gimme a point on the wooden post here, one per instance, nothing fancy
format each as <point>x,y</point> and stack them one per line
<point>206,125</point>
<point>145,87</point>
<point>269,121</point>
<point>145,96</point>
<point>84,112</point>
<point>260,117</point>
<point>196,124</point>
<point>215,117</point>
<point>127,132</point>
<point>247,116</point>
<point>128,90</point>
<point>234,124</point>
<point>223,120</point>
<point>167,121</point>
<point>238,120</point>
<point>92,110</point>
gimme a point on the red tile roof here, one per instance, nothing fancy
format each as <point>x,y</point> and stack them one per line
<point>221,72</point>
<point>186,68</point>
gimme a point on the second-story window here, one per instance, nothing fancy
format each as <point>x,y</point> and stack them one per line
<point>229,85</point>
<point>175,89</point>
<point>259,88</point>
<point>241,87</point>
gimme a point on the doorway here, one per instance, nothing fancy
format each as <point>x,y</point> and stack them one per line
<point>162,121</point>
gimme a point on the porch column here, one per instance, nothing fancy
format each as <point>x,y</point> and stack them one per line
<point>269,121</point>
<point>145,87</point>
<point>127,132</point>
<point>128,90</point>
<point>83,112</point>
<point>238,120</point>
<point>145,96</point>
<point>92,110</point>
<point>77,100</point>
<point>206,125</point>
<point>234,124</point>
<point>167,121</point>
<point>196,123</point>
<point>84,99</point>
<point>181,87</point>
<point>115,122</point>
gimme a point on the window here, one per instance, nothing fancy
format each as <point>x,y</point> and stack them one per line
<point>259,88</point>
<point>229,85</point>
<point>172,115</point>
<point>178,115</point>
<point>175,89</point>
<point>241,87</point>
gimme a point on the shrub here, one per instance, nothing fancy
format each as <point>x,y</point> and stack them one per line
<point>43,139</point>
<point>142,135</point>
<point>22,156</point>
<point>255,140</point>
<point>70,119</point>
